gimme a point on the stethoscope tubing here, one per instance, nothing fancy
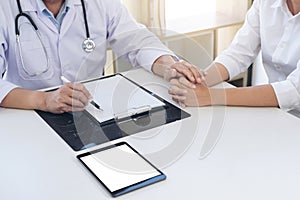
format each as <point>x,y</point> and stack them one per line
<point>87,30</point>
<point>22,14</point>
<point>88,44</point>
<point>17,31</point>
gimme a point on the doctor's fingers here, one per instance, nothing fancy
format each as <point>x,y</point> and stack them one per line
<point>68,104</point>
<point>69,97</point>
<point>170,73</point>
<point>63,107</point>
<point>183,83</point>
<point>79,87</point>
<point>189,71</point>
<point>76,98</point>
<point>72,106</point>
<point>58,102</point>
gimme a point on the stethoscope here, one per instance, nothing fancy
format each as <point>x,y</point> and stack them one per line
<point>88,44</point>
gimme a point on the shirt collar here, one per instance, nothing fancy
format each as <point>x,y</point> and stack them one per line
<point>284,7</point>
<point>41,6</point>
<point>43,9</point>
<point>278,3</point>
<point>32,5</point>
<point>77,2</point>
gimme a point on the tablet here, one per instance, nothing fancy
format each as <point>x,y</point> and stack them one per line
<point>120,168</point>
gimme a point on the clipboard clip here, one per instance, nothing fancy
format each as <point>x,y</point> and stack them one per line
<point>133,111</point>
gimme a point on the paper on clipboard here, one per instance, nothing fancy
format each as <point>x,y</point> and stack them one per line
<point>116,94</point>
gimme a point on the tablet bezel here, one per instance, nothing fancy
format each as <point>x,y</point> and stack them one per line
<point>129,188</point>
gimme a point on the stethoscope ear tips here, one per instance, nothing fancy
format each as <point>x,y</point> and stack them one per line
<point>88,45</point>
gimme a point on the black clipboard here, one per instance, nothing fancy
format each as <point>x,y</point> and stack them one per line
<point>80,130</point>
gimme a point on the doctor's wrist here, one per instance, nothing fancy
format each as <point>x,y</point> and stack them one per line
<point>163,64</point>
<point>39,100</point>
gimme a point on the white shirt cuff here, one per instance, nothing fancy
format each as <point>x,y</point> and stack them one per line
<point>147,57</point>
<point>287,95</point>
<point>231,66</point>
<point>5,88</point>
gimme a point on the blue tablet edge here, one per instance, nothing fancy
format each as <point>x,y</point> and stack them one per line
<point>142,184</point>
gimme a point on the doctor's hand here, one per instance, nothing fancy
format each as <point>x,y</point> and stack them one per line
<point>199,95</point>
<point>169,69</point>
<point>188,72</point>
<point>70,97</point>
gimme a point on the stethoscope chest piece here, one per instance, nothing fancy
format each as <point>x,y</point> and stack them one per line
<point>88,45</point>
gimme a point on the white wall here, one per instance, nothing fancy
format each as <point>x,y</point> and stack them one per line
<point>237,8</point>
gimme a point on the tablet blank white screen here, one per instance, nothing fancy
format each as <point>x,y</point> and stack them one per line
<point>119,167</point>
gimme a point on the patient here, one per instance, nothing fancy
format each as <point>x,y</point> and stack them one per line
<point>272,27</point>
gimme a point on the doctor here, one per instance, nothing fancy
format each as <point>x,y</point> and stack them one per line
<point>272,27</point>
<point>42,40</point>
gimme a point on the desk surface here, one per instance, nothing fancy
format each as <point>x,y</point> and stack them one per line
<point>256,157</point>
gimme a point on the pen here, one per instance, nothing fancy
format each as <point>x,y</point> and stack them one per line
<point>65,80</point>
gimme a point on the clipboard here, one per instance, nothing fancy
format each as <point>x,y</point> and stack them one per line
<point>119,98</point>
<point>82,130</point>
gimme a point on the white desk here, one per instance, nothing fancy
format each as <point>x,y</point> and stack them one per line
<point>257,156</point>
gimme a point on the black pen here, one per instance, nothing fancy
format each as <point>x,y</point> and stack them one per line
<point>65,80</point>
